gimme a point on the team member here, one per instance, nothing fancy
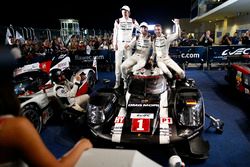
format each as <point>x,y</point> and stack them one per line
<point>161,46</point>
<point>67,90</point>
<point>138,60</point>
<point>122,34</point>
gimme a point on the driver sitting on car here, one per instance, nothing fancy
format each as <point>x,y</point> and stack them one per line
<point>66,90</point>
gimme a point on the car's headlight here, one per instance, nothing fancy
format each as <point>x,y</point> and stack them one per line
<point>95,114</point>
<point>191,114</point>
<point>185,132</point>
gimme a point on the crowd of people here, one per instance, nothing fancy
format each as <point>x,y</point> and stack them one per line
<point>78,44</point>
<point>207,39</point>
<point>31,49</point>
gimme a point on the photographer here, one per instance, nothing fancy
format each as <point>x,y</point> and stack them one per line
<point>205,39</point>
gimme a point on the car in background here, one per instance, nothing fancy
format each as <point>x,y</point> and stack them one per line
<point>34,89</point>
<point>238,73</point>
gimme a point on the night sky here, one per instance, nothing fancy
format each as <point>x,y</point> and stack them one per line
<point>96,14</point>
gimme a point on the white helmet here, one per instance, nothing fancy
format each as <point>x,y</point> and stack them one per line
<point>144,24</point>
<point>125,7</point>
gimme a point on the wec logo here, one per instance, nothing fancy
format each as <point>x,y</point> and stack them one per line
<point>239,51</point>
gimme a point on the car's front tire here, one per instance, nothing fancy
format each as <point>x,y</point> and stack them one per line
<point>32,112</point>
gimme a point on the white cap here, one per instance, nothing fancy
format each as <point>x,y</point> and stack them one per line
<point>125,7</point>
<point>144,24</point>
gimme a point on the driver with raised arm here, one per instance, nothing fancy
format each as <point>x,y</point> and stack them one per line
<point>161,46</point>
<point>66,90</point>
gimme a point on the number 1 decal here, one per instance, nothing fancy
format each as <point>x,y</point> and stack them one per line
<point>140,121</point>
<point>140,125</point>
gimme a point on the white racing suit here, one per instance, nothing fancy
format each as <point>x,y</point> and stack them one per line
<point>139,59</point>
<point>66,94</point>
<point>123,30</point>
<point>161,50</point>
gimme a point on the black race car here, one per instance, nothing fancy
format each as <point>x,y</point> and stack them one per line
<point>150,112</point>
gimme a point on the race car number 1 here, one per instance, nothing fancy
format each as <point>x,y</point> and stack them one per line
<point>140,125</point>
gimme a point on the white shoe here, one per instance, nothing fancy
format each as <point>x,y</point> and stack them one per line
<point>175,161</point>
<point>117,84</point>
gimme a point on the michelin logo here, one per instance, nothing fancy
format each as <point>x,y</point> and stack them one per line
<point>142,115</point>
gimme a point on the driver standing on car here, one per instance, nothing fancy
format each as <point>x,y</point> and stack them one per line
<point>143,44</point>
<point>66,90</point>
<point>123,30</point>
<point>161,46</point>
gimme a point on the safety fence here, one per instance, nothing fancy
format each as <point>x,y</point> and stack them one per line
<point>209,57</point>
<point>187,57</point>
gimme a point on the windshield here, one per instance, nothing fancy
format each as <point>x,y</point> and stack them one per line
<point>142,85</point>
<point>30,81</point>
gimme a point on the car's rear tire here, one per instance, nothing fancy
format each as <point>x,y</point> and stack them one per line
<point>32,112</point>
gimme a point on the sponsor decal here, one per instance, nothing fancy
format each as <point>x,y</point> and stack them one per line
<point>246,91</point>
<point>238,76</point>
<point>45,66</point>
<point>150,105</point>
<point>62,56</point>
<point>27,68</point>
<point>89,58</point>
<point>143,105</point>
<point>119,119</point>
<point>239,51</point>
<point>166,120</point>
<point>246,81</point>
<point>63,91</point>
<point>165,131</point>
<point>117,129</point>
<point>190,55</point>
<point>247,56</point>
<point>142,115</point>
<point>114,99</point>
<point>63,64</point>
<point>109,106</point>
<point>134,105</point>
<point>140,125</point>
